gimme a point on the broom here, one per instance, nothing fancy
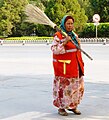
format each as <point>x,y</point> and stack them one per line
<point>35,15</point>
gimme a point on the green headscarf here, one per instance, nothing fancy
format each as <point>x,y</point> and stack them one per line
<point>71,33</point>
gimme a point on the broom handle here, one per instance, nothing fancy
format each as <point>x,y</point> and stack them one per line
<point>78,47</point>
<point>39,12</point>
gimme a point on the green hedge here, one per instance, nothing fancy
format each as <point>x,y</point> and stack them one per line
<point>90,30</point>
<point>28,38</point>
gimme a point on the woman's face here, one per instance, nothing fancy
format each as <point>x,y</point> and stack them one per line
<point>69,25</point>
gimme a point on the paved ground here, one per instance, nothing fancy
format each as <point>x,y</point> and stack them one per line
<point>26,77</point>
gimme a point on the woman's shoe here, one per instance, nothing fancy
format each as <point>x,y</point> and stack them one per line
<point>77,112</point>
<point>62,112</point>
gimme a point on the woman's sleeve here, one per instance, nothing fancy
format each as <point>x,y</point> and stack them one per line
<point>57,45</point>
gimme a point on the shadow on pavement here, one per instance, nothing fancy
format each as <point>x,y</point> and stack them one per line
<point>29,97</point>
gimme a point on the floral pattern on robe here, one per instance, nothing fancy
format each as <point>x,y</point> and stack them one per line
<point>67,92</point>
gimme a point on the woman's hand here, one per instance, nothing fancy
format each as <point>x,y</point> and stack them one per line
<point>68,38</point>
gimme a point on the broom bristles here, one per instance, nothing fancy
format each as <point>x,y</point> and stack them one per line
<point>35,15</point>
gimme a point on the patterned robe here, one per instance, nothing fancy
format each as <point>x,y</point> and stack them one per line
<point>68,86</point>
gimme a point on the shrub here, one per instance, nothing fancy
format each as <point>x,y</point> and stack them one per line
<point>90,30</point>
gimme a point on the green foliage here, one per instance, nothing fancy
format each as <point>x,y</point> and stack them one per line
<point>92,7</point>
<point>29,38</point>
<point>58,8</point>
<point>24,29</point>
<point>100,7</point>
<point>1,3</point>
<point>103,30</point>
<point>37,3</point>
<point>86,5</point>
<point>10,15</point>
<point>90,30</point>
<point>44,30</point>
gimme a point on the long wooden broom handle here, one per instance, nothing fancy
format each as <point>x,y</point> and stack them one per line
<point>78,47</point>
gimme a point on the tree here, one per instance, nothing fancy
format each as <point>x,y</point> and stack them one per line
<point>40,3</point>
<point>11,13</point>
<point>24,29</point>
<point>100,7</point>
<point>58,8</point>
<point>86,5</point>
<point>45,2</point>
<point>1,3</point>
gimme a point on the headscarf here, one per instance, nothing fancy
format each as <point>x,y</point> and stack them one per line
<point>71,33</point>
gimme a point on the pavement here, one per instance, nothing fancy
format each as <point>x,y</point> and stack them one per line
<point>26,78</point>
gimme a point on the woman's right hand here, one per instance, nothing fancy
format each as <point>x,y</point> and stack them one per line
<point>68,38</point>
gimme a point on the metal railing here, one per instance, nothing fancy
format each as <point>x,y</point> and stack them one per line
<point>49,41</point>
<point>94,40</point>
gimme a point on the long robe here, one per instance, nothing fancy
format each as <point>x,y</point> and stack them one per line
<point>68,86</point>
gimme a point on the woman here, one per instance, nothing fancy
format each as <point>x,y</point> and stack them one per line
<point>68,86</point>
